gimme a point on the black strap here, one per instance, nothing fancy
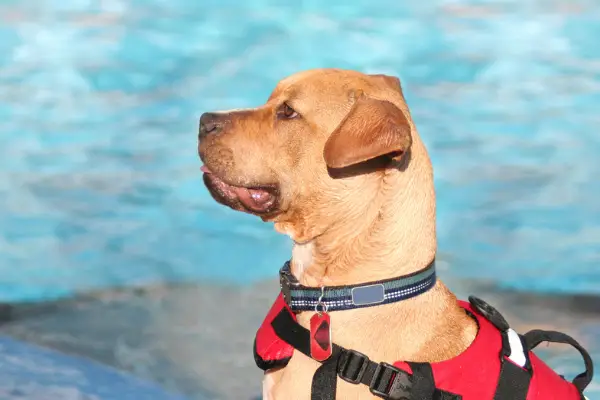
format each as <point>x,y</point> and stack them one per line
<point>535,337</point>
<point>324,383</point>
<point>384,380</point>
<point>513,383</point>
<point>423,382</point>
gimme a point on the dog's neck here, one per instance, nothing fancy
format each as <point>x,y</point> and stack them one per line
<point>395,236</point>
<point>392,235</point>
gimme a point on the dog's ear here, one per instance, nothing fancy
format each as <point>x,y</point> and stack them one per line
<point>371,129</point>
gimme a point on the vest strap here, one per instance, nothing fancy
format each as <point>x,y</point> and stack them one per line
<point>515,366</point>
<point>384,380</point>
<point>533,338</point>
<point>513,382</point>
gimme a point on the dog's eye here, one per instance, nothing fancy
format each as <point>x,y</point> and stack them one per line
<point>286,112</point>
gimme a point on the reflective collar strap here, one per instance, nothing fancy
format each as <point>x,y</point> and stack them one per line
<point>337,298</point>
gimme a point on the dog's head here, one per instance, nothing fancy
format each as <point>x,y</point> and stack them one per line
<point>314,154</point>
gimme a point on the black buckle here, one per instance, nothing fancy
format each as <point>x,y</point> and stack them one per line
<point>347,360</point>
<point>286,281</point>
<point>489,313</point>
<point>397,386</point>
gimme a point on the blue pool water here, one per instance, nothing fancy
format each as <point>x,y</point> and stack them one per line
<point>99,179</point>
<point>33,373</point>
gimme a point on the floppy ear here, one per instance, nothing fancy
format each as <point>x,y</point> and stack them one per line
<point>371,129</point>
<point>390,81</point>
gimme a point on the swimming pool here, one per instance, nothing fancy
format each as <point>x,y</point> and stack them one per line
<point>33,373</point>
<point>99,180</point>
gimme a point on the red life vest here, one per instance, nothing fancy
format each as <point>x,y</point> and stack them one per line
<point>472,375</point>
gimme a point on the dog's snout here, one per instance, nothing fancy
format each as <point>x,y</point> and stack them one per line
<point>210,123</point>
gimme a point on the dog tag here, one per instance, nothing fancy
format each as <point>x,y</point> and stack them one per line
<point>320,336</point>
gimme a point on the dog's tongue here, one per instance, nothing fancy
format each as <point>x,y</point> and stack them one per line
<point>257,200</point>
<point>254,199</point>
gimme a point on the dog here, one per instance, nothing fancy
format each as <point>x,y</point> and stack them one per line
<point>334,160</point>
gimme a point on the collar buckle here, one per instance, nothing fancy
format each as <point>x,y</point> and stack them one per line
<point>286,281</point>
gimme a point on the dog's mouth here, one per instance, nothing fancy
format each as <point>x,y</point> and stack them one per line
<point>256,199</point>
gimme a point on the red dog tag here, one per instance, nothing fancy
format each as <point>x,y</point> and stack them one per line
<point>320,336</point>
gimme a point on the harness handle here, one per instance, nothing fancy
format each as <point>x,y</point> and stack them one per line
<point>535,337</point>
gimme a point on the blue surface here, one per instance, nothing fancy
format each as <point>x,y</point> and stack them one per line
<point>33,373</point>
<point>99,180</point>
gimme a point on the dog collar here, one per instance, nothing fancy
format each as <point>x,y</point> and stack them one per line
<point>338,298</point>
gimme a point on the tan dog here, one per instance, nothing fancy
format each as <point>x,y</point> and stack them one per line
<point>334,160</point>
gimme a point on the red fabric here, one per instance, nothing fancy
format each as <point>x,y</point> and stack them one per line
<point>473,374</point>
<point>268,346</point>
<point>546,384</point>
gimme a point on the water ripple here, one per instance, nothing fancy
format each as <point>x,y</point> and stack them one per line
<point>99,181</point>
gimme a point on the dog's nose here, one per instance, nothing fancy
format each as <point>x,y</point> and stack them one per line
<point>210,123</point>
